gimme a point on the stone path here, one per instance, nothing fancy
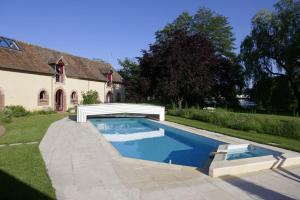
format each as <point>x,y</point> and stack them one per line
<point>83,166</point>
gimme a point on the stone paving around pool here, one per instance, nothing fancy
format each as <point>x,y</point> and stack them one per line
<point>82,165</point>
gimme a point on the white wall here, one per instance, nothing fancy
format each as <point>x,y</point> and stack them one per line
<point>23,89</point>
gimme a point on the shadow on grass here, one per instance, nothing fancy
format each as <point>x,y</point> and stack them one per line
<point>254,189</point>
<point>11,188</point>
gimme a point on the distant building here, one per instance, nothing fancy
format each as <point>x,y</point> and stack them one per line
<point>39,78</point>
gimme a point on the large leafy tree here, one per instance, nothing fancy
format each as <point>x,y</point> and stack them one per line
<point>228,82</point>
<point>274,94</point>
<point>130,73</point>
<point>273,46</point>
<point>179,67</point>
<point>209,24</point>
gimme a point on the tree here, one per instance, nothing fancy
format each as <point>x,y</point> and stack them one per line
<point>178,68</point>
<point>273,46</point>
<point>228,82</point>
<point>274,94</point>
<point>130,73</point>
<point>182,22</point>
<point>210,25</point>
<point>90,97</point>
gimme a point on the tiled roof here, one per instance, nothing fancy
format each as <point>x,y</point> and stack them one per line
<point>35,59</point>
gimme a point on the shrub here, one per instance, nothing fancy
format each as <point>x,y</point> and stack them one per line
<point>242,121</point>
<point>44,112</point>
<point>90,97</point>
<point>5,115</point>
<point>9,112</point>
<point>291,128</point>
<point>17,111</point>
<point>72,110</point>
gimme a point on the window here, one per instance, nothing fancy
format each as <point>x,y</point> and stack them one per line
<point>8,43</point>
<point>3,43</point>
<point>74,98</point>
<point>43,98</point>
<point>59,69</point>
<point>42,95</point>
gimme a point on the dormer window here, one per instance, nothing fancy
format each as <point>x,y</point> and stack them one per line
<point>59,75</point>
<point>109,77</point>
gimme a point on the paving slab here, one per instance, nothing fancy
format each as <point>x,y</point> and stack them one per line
<point>84,166</point>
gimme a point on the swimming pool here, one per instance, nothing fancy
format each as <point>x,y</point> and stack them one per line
<point>148,140</point>
<point>236,152</point>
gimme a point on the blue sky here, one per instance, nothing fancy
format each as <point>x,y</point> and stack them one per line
<point>112,29</point>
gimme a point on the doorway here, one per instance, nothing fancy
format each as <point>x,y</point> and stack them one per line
<point>59,100</point>
<point>109,97</point>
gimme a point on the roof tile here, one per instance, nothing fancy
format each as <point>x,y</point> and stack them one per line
<point>35,59</point>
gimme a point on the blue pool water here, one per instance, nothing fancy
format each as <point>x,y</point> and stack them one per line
<point>250,151</point>
<point>145,139</point>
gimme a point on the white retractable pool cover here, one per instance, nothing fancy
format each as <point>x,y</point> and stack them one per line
<point>83,111</point>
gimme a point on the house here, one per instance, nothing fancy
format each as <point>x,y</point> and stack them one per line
<point>40,78</point>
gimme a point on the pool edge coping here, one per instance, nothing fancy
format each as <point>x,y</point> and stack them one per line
<point>222,167</point>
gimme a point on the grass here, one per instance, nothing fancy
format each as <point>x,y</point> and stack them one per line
<point>23,174</point>
<point>283,126</point>
<point>22,171</point>
<point>28,128</point>
<point>287,143</point>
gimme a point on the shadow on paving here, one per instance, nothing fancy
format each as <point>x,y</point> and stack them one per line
<point>11,188</point>
<point>284,172</point>
<point>73,118</point>
<point>254,189</point>
<point>287,174</point>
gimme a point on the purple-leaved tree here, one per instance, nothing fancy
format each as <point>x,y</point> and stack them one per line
<point>175,69</point>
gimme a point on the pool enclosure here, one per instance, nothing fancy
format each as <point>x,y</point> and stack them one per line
<point>83,111</point>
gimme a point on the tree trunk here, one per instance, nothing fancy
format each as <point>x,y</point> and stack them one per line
<point>295,88</point>
<point>298,109</point>
<point>298,102</point>
<point>179,102</point>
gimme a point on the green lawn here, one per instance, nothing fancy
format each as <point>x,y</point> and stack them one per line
<point>28,128</point>
<point>271,116</point>
<point>291,144</point>
<point>283,126</point>
<point>22,171</point>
